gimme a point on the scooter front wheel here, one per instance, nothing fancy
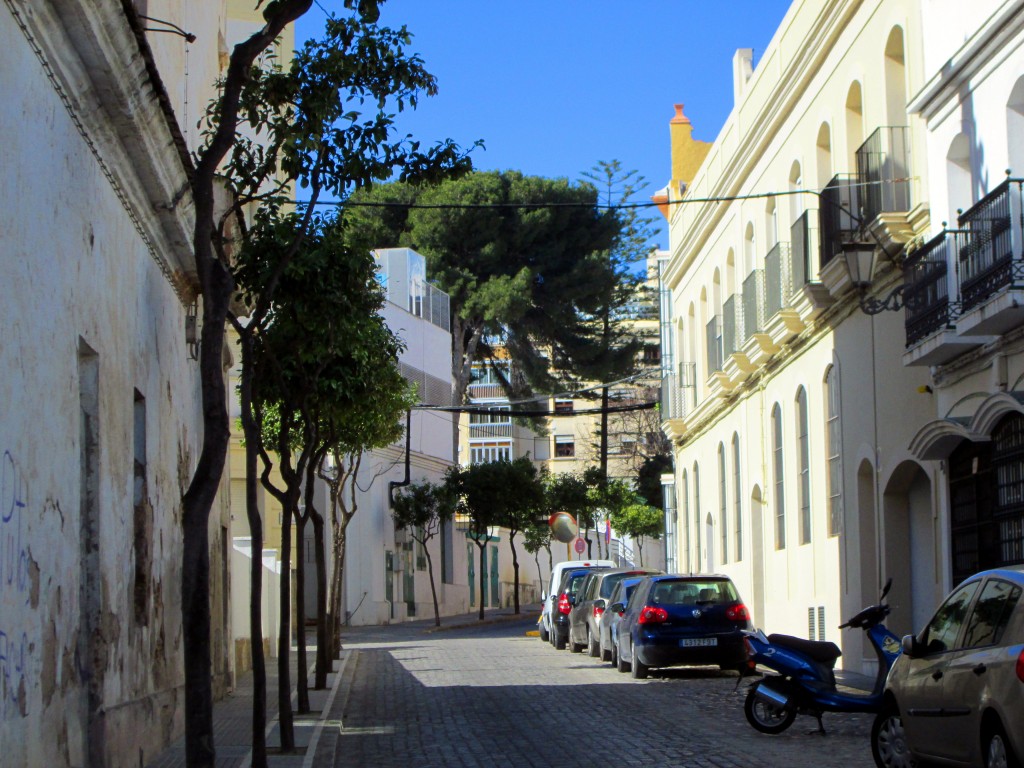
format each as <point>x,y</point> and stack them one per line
<point>766,717</point>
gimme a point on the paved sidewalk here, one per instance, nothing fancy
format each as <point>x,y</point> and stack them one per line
<point>317,733</point>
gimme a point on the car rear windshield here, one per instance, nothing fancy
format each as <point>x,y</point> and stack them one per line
<point>696,592</point>
<point>608,582</point>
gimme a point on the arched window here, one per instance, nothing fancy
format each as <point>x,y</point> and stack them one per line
<point>771,224</point>
<point>959,178</point>
<point>895,79</point>
<point>696,512</point>
<point>1015,130</point>
<point>803,453</point>
<point>778,477</point>
<point>833,439</point>
<point>823,155</point>
<point>737,491</point>
<point>722,505</point>
<point>797,203</point>
<point>749,250</point>
<point>684,499</point>
<point>854,123</point>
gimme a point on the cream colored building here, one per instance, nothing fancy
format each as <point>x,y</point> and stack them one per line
<point>789,406</point>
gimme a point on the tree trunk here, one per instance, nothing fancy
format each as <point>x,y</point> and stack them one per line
<point>515,570</point>
<point>252,513</point>
<point>640,551</point>
<point>324,655</point>
<point>433,588</point>
<point>302,668</point>
<point>482,548</point>
<point>284,644</point>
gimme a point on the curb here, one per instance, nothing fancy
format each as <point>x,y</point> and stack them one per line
<point>479,623</point>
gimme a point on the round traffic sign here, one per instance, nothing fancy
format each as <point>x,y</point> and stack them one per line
<point>581,545</point>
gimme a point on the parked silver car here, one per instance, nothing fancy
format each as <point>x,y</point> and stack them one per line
<point>956,695</point>
<point>613,614</point>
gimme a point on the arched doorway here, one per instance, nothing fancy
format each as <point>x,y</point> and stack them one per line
<point>910,546</point>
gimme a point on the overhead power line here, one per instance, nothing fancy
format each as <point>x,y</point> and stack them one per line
<point>531,414</point>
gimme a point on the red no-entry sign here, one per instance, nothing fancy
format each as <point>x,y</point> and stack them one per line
<point>580,546</point>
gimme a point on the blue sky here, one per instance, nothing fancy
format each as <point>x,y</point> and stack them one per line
<point>554,87</point>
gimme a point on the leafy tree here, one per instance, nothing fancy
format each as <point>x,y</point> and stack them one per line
<point>523,494</point>
<point>607,497</point>
<point>639,521</point>
<point>476,494</point>
<point>648,484</point>
<point>510,250</point>
<point>311,128</point>
<point>422,509</point>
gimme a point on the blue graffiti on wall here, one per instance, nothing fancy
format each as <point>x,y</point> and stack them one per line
<point>14,557</point>
<point>15,649</point>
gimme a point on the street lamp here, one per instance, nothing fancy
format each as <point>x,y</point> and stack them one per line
<point>860,261</point>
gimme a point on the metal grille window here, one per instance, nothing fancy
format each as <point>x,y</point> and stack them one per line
<point>1008,462</point>
<point>833,435</point>
<point>737,497</point>
<point>780,488</point>
<point>722,506</point>
<point>971,491</point>
<point>804,466</point>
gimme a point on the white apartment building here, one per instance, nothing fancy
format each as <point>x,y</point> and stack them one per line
<point>788,404</point>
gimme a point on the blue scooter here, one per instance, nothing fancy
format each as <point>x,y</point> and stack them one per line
<point>806,683</point>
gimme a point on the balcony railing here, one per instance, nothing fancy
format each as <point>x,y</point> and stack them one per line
<point>883,168</point>
<point>714,344</point>
<point>753,304</point>
<point>730,326</point>
<point>490,430</point>
<point>804,242</point>
<point>840,215</point>
<point>678,392</point>
<point>926,291</point>
<point>987,262</point>
<point>778,281</point>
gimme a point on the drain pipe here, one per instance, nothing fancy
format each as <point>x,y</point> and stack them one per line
<point>393,484</point>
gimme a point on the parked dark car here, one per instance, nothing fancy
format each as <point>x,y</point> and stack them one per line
<point>675,619</point>
<point>612,616</point>
<point>584,631</point>
<point>572,580</point>
<point>956,695</point>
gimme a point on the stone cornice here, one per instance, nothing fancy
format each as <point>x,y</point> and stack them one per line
<point>92,56</point>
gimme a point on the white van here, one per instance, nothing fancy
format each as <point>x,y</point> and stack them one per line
<point>551,599</point>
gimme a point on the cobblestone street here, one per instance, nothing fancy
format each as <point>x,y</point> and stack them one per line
<point>493,696</point>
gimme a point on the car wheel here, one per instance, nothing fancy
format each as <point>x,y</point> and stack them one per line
<point>544,635</point>
<point>888,742</point>
<point>998,752</point>
<point>592,647</point>
<point>606,655</point>
<point>620,664</point>
<point>638,669</point>
<point>559,641</point>
<point>574,647</point>
<point>765,717</point>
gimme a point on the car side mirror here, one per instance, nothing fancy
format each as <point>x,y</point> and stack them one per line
<point>543,596</point>
<point>572,599</point>
<point>600,603</point>
<point>910,646</point>
<point>618,608</point>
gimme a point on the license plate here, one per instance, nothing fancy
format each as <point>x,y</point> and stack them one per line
<point>698,642</point>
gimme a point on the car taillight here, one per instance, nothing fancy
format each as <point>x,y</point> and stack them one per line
<point>598,610</point>
<point>564,606</point>
<point>1020,667</point>
<point>650,614</point>
<point>737,613</point>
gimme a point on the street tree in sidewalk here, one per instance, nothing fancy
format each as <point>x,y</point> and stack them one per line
<point>639,521</point>
<point>608,497</point>
<point>422,509</point>
<point>524,505</point>
<point>310,127</point>
<point>537,536</point>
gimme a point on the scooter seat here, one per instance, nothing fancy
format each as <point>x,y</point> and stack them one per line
<point>822,652</point>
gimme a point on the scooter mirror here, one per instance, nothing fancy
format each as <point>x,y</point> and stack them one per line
<point>886,588</point>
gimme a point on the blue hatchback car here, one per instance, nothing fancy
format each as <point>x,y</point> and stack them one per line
<point>678,619</point>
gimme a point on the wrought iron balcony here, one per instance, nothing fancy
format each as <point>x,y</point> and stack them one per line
<point>491,430</point>
<point>990,257</point>
<point>804,250</point>
<point>730,326</point>
<point>926,291</point>
<point>840,216</point>
<point>714,344</point>
<point>678,392</point>
<point>753,304</point>
<point>778,281</point>
<point>883,170</point>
